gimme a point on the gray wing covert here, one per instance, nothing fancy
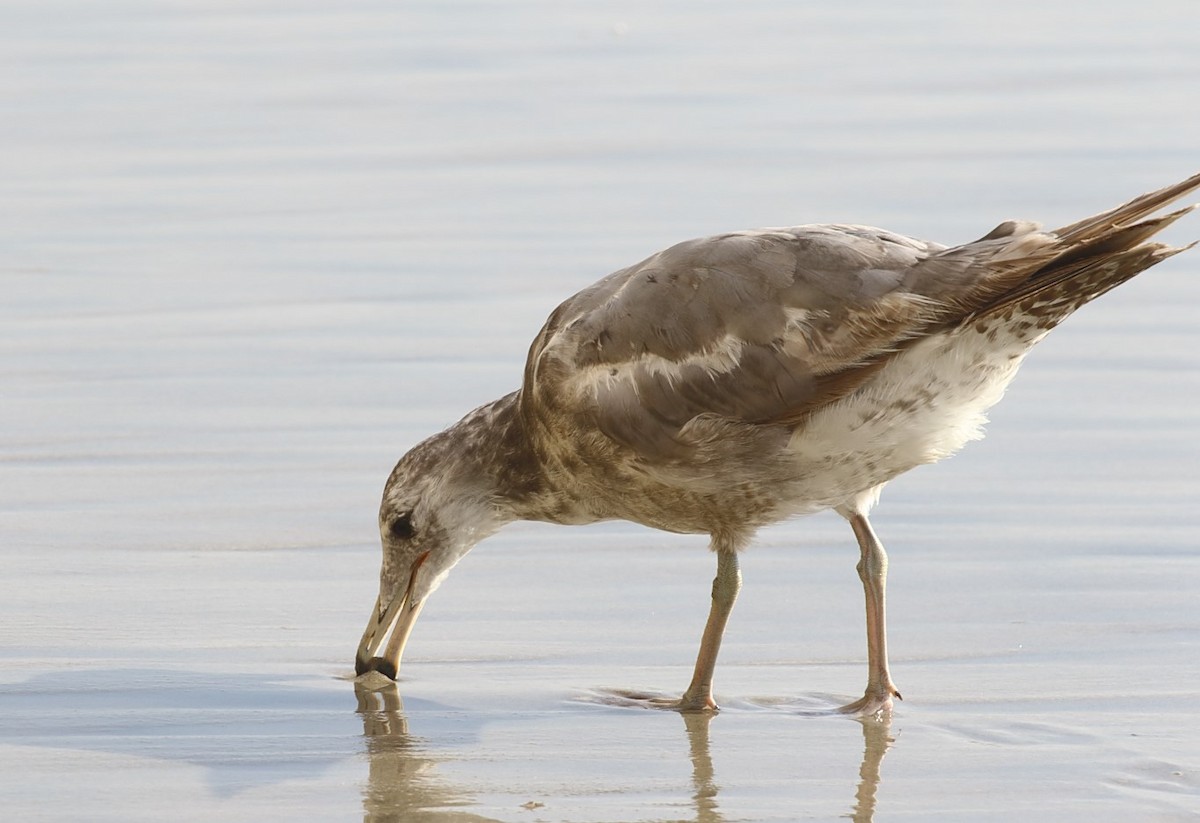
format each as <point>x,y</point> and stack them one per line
<point>750,327</point>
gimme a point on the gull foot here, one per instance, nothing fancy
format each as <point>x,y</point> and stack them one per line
<point>649,700</point>
<point>875,703</point>
<point>701,703</point>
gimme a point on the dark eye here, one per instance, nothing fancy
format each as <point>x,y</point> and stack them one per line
<point>401,526</point>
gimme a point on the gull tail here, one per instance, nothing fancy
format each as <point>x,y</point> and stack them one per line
<point>1093,256</point>
<point>1090,228</point>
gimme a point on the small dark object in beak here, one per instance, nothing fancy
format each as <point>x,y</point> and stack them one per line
<point>375,664</point>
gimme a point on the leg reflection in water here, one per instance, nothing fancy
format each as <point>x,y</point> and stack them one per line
<point>876,742</point>
<point>703,783</point>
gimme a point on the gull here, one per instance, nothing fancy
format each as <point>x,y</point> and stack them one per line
<point>730,382</point>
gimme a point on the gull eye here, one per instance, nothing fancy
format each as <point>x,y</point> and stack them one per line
<point>401,526</point>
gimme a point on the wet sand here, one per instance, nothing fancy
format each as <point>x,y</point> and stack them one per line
<point>254,251</point>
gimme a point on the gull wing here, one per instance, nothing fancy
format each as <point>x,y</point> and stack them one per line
<point>756,330</point>
<point>754,327</point>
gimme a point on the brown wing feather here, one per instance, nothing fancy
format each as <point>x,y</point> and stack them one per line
<point>1087,229</point>
<point>765,327</point>
<point>1086,269</point>
<point>752,327</point>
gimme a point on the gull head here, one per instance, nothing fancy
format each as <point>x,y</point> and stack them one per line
<point>436,506</point>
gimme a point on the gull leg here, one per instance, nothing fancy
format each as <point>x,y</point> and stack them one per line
<point>872,569</point>
<point>726,585</point>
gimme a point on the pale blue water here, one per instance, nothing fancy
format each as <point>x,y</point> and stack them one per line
<point>252,251</point>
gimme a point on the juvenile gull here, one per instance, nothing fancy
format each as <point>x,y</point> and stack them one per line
<point>733,381</point>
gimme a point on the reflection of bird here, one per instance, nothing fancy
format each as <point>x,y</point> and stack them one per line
<point>704,784</point>
<point>401,785</point>
<point>876,742</point>
<point>731,382</point>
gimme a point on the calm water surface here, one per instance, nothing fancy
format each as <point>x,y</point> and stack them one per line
<point>254,250</point>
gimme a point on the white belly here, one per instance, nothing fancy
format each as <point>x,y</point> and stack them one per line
<point>926,404</point>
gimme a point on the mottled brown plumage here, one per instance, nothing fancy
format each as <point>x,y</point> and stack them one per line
<point>733,381</point>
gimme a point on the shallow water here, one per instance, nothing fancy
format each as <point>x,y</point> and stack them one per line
<point>255,250</point>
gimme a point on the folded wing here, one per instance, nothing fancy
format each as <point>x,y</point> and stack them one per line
<point>760,328</point>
